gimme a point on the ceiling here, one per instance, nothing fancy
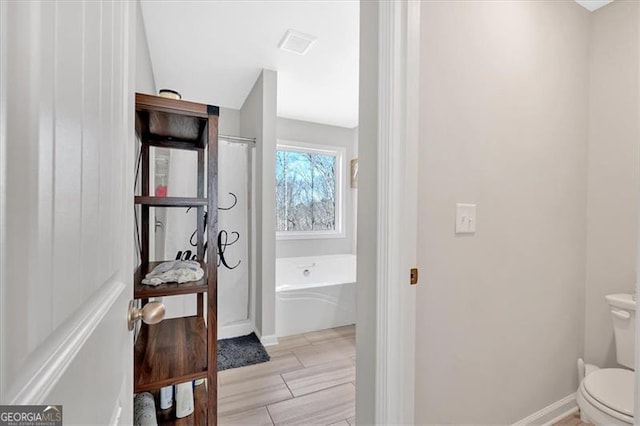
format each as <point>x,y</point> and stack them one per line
<point>213,51</point>
<point>592,5</point>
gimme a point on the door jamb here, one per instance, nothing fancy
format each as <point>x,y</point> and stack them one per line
<point>398,132</point>
<point>637,286</point>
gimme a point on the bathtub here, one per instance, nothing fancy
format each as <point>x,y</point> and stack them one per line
<point>315,293</point>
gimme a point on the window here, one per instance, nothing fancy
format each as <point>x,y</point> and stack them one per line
<point>308,191</point>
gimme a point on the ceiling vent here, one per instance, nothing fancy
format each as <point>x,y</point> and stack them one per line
<point>296,42</point>
<point>592,5</point>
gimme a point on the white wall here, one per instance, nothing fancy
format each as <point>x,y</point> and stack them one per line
<point>315,133</point>
<point>145,81</point>
<point>504,113</point>
<point>229,122</point>
<point>258,120</point>
<point>367,214</point>
<point>614,172</point>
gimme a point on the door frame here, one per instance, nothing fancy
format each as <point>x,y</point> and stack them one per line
<point>397,186</point>
<point>637,286</point>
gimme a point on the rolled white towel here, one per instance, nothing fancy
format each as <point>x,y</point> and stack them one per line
<point>144,410</point>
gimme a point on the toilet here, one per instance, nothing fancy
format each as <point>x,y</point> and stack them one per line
<point>605,396</point>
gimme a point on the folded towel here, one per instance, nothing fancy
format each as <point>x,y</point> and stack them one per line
<point>175,264</point>
<point>180,271</point>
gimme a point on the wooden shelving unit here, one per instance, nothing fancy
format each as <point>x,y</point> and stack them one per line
<point>180,349</point>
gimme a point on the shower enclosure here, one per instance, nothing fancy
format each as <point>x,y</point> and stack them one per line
<point>175,229</point>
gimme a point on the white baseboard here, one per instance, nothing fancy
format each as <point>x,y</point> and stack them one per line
<point>551,413</point>
<point>268,340</point>
<point>562,416</point>
<point>236,329</point>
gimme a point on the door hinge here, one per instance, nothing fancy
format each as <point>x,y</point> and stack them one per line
<point>413,276</point>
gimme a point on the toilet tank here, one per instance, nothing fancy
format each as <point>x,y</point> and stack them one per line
<point>623,313</point>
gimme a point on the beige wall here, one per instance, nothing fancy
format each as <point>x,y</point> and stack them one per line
<point>504,119</point>
<point>614,177</point>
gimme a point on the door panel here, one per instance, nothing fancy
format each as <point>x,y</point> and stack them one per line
<point>92,122</point>
<point>67,159</point>
<point>66,190</point>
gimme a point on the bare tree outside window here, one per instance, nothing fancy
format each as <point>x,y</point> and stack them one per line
<point>305,191</point>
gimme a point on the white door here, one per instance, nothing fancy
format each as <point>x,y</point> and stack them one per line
<point>66,214</point>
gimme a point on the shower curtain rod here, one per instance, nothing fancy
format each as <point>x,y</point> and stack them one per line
<point>237,139</point>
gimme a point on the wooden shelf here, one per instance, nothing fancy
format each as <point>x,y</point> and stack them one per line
<point>175,107</point>
<point>170,352</point>
<point>181,349</point>
<point>199,416</point>
<point>142,291</point>
<point>172,123</point>
<point>170,201</point>
<point>170,142</point>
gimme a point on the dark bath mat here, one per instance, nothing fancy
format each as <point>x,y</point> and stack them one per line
<point>240,352</point>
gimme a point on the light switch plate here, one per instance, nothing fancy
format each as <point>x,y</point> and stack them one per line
<point>465,218</point>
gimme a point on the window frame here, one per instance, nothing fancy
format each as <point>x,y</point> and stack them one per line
<point>340,154</point>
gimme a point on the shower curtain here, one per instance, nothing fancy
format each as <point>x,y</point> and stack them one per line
<point>233,235</point>
<point>233,229</point>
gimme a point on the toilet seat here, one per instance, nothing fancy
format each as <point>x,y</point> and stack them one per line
<point>611,391</point>
<point>613,388</point>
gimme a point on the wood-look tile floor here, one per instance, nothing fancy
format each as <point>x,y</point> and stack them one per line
<point>572,420</point>
<point>310,380</point>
